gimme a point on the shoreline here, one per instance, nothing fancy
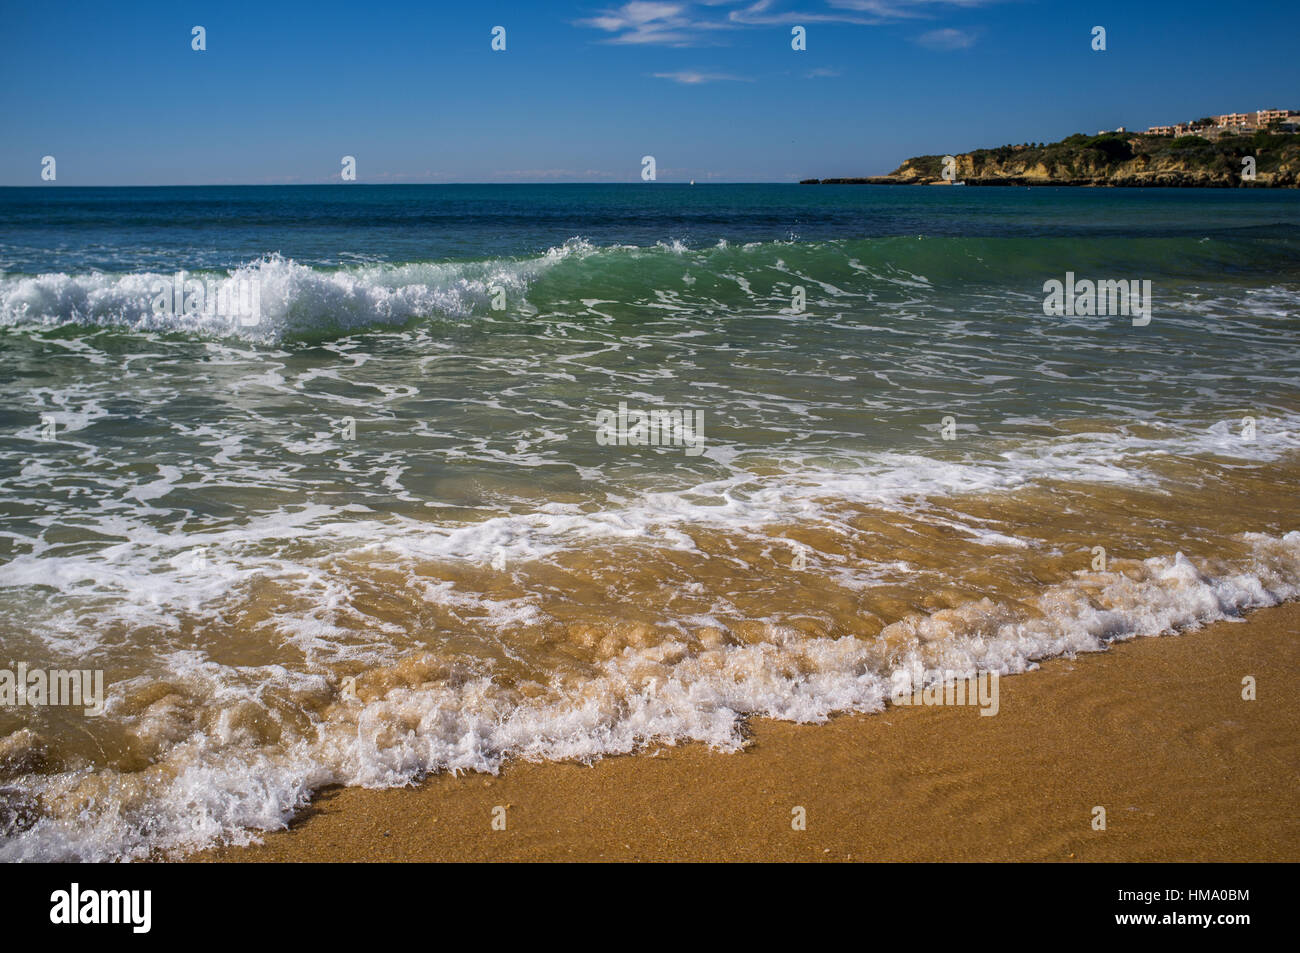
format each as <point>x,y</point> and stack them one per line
<point>1154,730</point>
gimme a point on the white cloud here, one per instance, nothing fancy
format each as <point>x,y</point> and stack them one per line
<point>905,9</point>
<point>765,13</point>
<point>662,24</point>
<point>947,39</point>
<point>694,77</point>
<point>680,24</point>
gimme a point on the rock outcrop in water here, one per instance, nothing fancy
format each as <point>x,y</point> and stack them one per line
<point>1113,159</point>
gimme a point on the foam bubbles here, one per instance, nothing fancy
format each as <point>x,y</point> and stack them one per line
<point>425,715</point>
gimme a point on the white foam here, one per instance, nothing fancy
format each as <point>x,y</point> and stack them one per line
<point>143,574</point>
<point>217,785</point>
<point>294,298</point>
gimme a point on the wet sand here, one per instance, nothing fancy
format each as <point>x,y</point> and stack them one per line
<point>1154,730</point>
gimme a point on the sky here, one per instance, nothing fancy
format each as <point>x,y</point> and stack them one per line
<point>714,90</point>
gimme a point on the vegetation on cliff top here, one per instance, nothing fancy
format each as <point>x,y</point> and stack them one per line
<point>1081,154</point>
<point>1117,158</point>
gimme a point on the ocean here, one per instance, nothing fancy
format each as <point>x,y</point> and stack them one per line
<point>352,484</point>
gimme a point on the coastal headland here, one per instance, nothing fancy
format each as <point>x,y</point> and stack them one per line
<point>1120,159</point>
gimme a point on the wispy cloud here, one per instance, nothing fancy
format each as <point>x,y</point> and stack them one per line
<point>906,9</point>
<point>822,72</point>
<point>947,39</point>
<point>700,23</point>
<point>694,77</point>
<point>768,13</point>
<point>648,23</point>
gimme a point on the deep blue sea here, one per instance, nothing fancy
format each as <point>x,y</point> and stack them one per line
<point>161,229</point>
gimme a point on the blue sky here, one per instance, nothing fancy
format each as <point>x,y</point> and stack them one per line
<point>583,90</point>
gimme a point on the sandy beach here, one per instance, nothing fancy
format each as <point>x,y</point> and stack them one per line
<point>1155,731</point>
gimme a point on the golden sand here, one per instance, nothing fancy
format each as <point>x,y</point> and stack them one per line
<point>1155,731</point>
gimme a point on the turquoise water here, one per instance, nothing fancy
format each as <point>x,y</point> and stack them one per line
<point>392,468</point>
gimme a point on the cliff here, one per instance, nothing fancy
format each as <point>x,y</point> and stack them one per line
<point>1113,159</point>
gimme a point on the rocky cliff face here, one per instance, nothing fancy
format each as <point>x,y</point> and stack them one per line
<point>1141,170</point>
<point>1114,160</point>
